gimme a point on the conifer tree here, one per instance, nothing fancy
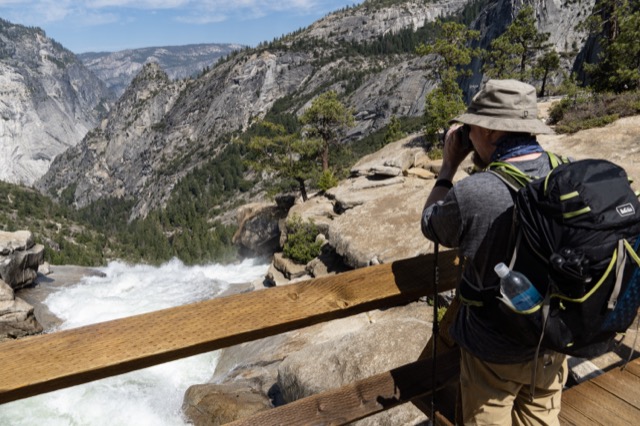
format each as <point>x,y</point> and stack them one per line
<point>394,130</point>
<point>326,119</point>
<point>617,25</point>
<point>513,54</point>
<point>547,64</point>
<point>286,155</point>
<point>451,51</point>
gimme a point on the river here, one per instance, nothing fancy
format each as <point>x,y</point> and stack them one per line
<point>152,396</point>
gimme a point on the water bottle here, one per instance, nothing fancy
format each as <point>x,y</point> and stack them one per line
<point>516,289</point>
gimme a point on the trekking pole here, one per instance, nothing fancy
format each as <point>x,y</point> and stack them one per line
<point>434,335</point>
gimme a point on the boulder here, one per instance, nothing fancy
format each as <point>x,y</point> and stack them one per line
<point>617,142</point>
<point>258,231</point>
<point>392,160</point>
<point>384,228</point>
<point>392,338</point>
<point>361,190</point>
<point>285,366</point>
<point>288,267</point>
<point>20,258</point>
<point>328,263</point>
<point>421,173</point>
<point>15,241</point>
<point>318,209</point>
<point>258,360</point>
<point>212,405</point>
<point>16,316</point>
<point>272,278</point>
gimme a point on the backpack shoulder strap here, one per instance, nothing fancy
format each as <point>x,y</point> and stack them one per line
<point>510,175</point>
<point>515,178</point>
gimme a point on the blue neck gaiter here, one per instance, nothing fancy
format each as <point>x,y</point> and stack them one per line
<point>515,146</point>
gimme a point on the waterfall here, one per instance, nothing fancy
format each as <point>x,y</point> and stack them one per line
<point>152,396</point>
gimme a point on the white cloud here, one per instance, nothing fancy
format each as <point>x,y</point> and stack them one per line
<point>208,11</point>
<point>36,12</point>
<point>88,13</point>
<point>188,10</point>
<point>202,19</point>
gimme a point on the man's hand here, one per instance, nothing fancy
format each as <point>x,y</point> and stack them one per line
<point>453,153</point>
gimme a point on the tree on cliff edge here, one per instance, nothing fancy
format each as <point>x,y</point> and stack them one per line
<point>326,119</point>
<point>452,52</point>
<point>287,155</point>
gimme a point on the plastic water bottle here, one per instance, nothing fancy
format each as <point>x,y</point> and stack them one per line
<point>516,289</point>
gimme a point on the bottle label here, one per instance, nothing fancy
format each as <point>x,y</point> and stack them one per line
<point>526,300</point>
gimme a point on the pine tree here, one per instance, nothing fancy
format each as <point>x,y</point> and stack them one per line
<point>547,64</point>
<point>513,54</point>
<point>326,119</point>
<point>452,52</point>
<point>394,130</point>
<point>617,25</point>
<point>287,155</point>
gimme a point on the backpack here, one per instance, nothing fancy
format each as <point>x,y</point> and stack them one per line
<point>575,236</point>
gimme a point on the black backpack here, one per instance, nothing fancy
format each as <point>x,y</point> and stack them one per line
<point>575,237</point>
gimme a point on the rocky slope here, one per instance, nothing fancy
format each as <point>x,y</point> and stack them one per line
<point>49,102</point>
<point>290,71</point>
<point>105,164</point>
<point>117,69</point>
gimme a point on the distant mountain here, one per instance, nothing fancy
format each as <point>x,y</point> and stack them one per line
<point>117,69</point>
<point>49,100</point>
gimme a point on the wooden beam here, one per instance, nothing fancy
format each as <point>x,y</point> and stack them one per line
<point>363,398</point>
<point>49,362</point>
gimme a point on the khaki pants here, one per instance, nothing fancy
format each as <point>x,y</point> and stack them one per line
<point>499,394</point>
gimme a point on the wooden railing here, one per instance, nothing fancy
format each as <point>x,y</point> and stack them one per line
<point>49,362</point>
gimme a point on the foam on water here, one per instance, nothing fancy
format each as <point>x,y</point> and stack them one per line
<point>152,396</point>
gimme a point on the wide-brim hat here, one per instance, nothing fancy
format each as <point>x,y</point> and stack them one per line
<point>507,105</point>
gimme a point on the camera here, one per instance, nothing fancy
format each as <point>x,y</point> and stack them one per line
<point>463,137</point>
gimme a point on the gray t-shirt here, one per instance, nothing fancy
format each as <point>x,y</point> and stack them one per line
<point>476,217</point>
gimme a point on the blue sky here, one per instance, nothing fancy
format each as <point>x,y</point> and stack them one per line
<point>111,25</point>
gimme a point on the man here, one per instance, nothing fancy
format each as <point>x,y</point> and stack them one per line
<point>475,215</point>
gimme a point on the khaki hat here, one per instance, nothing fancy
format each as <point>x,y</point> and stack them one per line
<point>507,105</point>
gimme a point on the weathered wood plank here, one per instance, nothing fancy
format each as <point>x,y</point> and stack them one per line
<point>624,385</point>
<point>609,399</point>
<point>633,367</point>
<point>49,362</point>
<point>571,416</point>
<point>363,398</point>
<point>600,406</point>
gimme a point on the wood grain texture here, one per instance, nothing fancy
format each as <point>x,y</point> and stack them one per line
<point>610,399</point>
<point>49,362</point>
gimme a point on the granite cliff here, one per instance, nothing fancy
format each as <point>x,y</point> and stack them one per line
<point>50,100</point>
